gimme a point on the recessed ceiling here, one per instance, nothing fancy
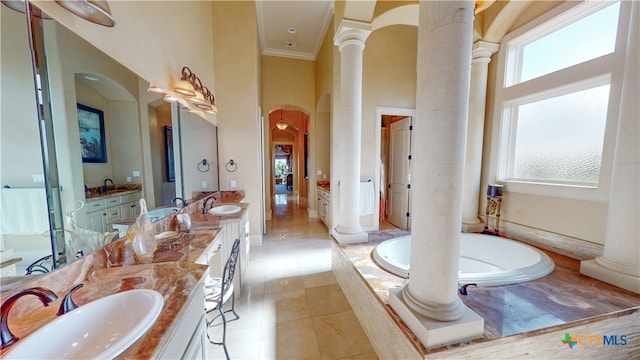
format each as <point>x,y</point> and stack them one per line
<point>293,29</point>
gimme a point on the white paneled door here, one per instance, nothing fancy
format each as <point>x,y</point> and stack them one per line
<point>400,173</point>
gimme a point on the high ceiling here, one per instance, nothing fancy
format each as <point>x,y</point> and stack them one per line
<point>293,28</point>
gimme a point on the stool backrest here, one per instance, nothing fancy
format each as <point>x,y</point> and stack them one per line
<point>230,268</point>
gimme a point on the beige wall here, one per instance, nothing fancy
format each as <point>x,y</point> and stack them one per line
<point>237,90</point>
<point>199,142</point>
<point>389,80</point>
<point>321,141</point>
<point>290,83</point>
<point>160,27</point>
<point>20,155</point>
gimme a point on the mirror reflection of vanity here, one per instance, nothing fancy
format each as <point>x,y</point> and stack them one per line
<point>134,133</point>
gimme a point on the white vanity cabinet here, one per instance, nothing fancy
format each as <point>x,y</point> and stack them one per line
<point>104,211</point>
<point>130,205</point>
<point>324,207</point>
<point>188,338</point>
<point>232,230</point>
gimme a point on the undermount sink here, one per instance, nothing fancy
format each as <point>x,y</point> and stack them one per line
<point>101,329</point>
<point>225,209</point>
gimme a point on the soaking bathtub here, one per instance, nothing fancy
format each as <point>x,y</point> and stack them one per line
<point>485,260</point>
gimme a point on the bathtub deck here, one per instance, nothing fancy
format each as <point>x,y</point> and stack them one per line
<point>559,301</point>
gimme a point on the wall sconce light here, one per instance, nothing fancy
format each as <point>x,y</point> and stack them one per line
<point>494,201</point>
<point>191,88</point>
<point>96,11</point>
<point>281,124</point>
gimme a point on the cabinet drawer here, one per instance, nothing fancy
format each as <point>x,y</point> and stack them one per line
<point>112,201</point>
<point>95,205</point>
<point>113,214</point>
<point>130,197</point>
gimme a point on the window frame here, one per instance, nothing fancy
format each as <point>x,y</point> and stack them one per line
<point>507,94</point>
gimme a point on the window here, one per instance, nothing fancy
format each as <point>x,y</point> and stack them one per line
<point>559,74</point>
<point>564,42</point>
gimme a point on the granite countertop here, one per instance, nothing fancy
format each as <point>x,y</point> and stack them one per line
<point>118,189</point>
<point>176,270</point>
<point>211,221</point>
<point>324,185</point>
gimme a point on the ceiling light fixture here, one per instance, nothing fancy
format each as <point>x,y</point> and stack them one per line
<point>96,11</point>
<point>281,124</point>
<point>292,30</point>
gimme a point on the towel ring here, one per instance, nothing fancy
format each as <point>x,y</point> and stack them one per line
<point>203,166</point>
<point>231,166</point>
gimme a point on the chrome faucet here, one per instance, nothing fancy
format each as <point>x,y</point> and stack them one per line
<point>184,202</point>
<point>67,303</point>
<point>204,205</point>
<point>45,295</point>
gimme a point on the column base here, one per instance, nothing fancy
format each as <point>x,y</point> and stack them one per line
<point>593,269</point>
<point>349,238</point>
<point>433,333</point>
<point>469,227</point>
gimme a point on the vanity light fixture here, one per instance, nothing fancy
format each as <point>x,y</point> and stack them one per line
<point>96,11</point>
<point>281,124</point>
<point>19,5</point>
<point>154,89</point>
<point>185,86</point>
<point>191,88</point>
<point>169,98</point>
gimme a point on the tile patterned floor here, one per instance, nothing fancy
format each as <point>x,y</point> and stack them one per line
<point>291,305</point>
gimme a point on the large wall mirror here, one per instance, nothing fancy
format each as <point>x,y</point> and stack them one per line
<point>133,131</point>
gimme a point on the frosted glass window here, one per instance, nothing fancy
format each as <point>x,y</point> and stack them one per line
<point>560,139</point>
<point>585,39</point>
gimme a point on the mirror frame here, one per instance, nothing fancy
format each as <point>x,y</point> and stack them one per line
<point>35,34</point>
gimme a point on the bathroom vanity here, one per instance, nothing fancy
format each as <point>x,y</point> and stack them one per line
<point>176,270</point>
<point>324,202</point>
<point>103,210</point>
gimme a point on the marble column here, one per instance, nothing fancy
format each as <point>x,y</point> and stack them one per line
<point>429,303</point>
<point>350,39</point>
<point>620,262</point>
<point>481,55</point>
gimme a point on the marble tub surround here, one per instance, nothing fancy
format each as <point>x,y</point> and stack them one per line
<point>560,300</point>
<point>94,192</point>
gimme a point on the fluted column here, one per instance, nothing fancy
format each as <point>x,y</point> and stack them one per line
<point>430,297</point>
<point>620,262</point>
<point>350,39</point>
<point>481,56</point>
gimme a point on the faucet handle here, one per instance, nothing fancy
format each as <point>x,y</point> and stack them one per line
<point>67,303</point>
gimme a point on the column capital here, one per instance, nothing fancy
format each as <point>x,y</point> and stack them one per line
<point>482,51</point>
<point>352,33</point>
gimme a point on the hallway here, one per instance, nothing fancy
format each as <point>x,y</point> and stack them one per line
<point>291,306</point>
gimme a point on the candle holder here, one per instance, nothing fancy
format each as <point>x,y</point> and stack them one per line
<point>492,211</point>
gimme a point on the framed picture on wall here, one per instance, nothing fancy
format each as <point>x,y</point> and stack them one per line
<point>92,141</point>
<point>168,152</point>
